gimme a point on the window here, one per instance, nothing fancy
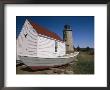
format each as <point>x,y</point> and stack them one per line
<point>56,46</point>
<point>67,45</point>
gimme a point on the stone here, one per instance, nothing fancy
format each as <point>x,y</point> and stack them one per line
<point>69,72</point>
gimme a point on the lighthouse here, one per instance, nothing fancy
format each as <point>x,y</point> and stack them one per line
<point>68,38</point>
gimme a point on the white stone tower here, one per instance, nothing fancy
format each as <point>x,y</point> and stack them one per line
<point>67,36</point>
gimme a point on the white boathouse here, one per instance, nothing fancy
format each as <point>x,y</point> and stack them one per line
<point>36,41</point>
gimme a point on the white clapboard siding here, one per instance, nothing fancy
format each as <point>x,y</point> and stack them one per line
<point>28,43</point>
<point>31,41</point>
<point>61,48</point>
<point>19,45</point>
<point>46,48</point>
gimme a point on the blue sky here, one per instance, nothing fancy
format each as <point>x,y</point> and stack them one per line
<point>82,27</point>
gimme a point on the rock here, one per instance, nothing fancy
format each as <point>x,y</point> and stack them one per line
<point>69,72</point>
<point>49,72</point>
<point>57,70</point>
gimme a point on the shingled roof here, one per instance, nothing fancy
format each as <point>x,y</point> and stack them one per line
<point>44,31</point>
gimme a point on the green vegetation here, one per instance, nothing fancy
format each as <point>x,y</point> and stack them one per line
<point>85,63</point>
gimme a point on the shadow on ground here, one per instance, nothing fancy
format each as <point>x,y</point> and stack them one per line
<point>30,70</point>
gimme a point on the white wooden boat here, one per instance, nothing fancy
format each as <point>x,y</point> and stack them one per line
<point>42,63</point>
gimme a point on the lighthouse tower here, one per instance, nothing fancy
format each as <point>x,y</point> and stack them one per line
<point>67,36</point>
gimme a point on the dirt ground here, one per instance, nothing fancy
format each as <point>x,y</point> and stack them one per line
<point>65,69</point>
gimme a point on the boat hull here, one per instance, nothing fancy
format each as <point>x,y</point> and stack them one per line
<point>43,63</point>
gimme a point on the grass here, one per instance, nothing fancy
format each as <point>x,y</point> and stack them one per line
<point>85,64</point>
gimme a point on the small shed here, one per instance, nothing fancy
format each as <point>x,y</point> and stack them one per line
<point>36,41</point>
